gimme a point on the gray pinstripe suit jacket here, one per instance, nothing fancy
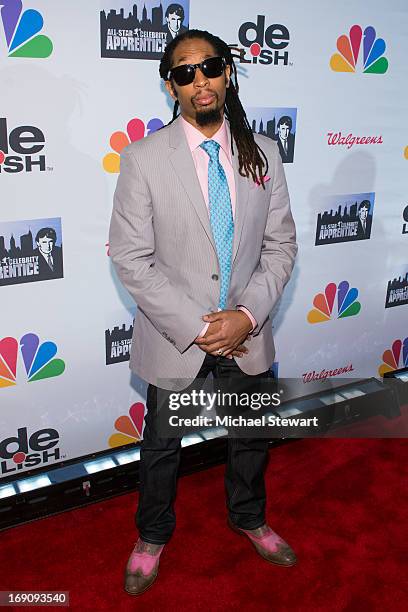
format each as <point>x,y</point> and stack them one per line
<point>161,244</point>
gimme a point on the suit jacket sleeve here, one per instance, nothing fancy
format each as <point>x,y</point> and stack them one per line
<point>132,250</point>
<point>278,252</point>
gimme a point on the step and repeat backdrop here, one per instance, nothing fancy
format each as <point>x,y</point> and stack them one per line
<point>78,82</point>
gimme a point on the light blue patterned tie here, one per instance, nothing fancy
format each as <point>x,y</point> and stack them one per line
<point>221,220</point>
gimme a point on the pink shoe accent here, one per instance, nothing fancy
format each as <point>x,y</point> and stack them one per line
<point>269,541</point>
<point>144,561</point>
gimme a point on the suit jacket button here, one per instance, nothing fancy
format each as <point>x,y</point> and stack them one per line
<point>214,277</point>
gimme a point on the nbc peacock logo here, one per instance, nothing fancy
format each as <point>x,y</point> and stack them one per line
<point>128,428</point>
<point>324,303</point>
<point>349,50</point>
<point>136,130</point>
<point>21,31</point>
<point>38,359</point>
<point>395,357</point>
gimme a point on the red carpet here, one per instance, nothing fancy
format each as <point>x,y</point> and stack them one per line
<point>341,504</point>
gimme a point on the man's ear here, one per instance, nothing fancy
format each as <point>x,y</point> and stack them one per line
<point>227,75</point>
<point>171,90</point>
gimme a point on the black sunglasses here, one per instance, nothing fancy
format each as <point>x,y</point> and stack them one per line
<point>211,67</point>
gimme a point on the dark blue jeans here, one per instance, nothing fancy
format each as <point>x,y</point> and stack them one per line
<point>160,458</point>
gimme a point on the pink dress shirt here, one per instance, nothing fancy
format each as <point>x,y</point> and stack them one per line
<point>200,158</point>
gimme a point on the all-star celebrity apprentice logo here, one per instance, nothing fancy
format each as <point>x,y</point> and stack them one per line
<point>117,343</point>
<point>141,29</point>
<point>30,251</point>
<point>345,218</point>
<point>279,124</point>
<point>397,291</point>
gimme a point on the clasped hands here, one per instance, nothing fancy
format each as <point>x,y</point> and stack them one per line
<point>228,330</point>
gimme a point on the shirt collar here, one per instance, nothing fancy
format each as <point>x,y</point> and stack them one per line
<point>195,137</point>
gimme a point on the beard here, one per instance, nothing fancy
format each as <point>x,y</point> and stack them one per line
<point>209,117</point>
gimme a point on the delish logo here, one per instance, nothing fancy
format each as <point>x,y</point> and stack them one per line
<point>136,130</point>
<point>349,50</point>
<point>23,451</point>
<point>324,303</point>
<point>265,45</point>
<point>24,140</point>
<point>21,31</point>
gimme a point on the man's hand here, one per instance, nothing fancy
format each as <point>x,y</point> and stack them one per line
<point>227,331</point>
<point>240,351</point>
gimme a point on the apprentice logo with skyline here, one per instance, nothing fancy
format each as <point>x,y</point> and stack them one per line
<point>397,291</point>
<point>141,29</point>
<point>345,218</point>
<point>30,251</point>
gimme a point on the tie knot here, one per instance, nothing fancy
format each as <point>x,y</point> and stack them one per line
<point>212,147</point>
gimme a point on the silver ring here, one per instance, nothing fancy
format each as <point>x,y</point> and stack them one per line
<point>219,352</point>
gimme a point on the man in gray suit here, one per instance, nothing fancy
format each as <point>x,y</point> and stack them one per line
<point>203,238</point>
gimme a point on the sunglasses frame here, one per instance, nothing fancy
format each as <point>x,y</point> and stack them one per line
<point>195,66</point>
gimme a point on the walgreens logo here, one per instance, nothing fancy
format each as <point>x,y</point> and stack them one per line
<point>337,138</point>
<point>323,374</point>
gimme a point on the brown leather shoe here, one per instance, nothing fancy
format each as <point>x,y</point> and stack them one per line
<point>142,567</point>
<point>268,544</point>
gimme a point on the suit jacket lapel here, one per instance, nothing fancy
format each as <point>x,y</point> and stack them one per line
<point>183,164</point>
<point>241,201</point>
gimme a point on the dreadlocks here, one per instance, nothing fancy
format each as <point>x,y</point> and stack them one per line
<point>252,160</point>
